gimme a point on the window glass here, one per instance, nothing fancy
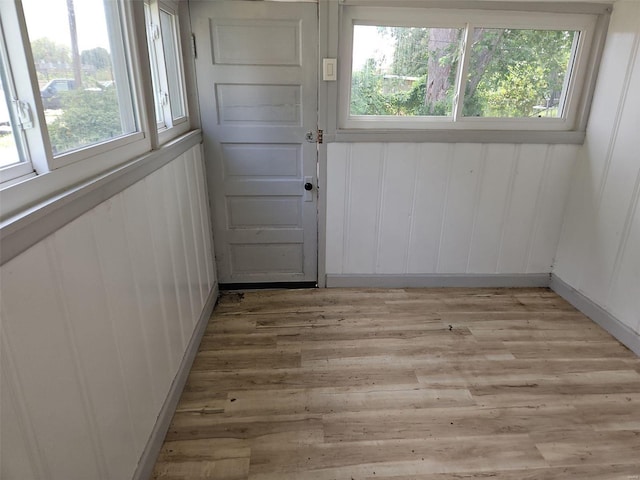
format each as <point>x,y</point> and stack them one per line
<point>169,43</point>
<point>10,136</point>
<point>404,71</point>
<point>518,73</point>
<point>155,68</point>
<point>82,71</point>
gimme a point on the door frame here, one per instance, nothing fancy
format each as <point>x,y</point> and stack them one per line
<point>328,29</point>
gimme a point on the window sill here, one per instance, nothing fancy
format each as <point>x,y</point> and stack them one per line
<point>24,227</point>
<point>455,136</point>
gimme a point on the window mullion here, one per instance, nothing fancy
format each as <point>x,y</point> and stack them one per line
<point>162,70</point>
<point>463,71</point>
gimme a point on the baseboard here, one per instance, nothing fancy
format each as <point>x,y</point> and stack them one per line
<point>599,315</point>
<point>439,281</point>
<point>154,444</point>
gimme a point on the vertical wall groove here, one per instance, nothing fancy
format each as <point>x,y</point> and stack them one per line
<point>347,211</point>
<point>450,157</point>
<point>204,216</point>
<point>476,205</point>
<point>183,241</point>
<point>412,214</point>
<point>507,208</point>
<point>194,236</point>
<point>379,208</point>
<point>536,216</point>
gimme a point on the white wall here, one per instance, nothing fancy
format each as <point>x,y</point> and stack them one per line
<point>445,208</point>
<point>95,321</point>
<point>599,253</point>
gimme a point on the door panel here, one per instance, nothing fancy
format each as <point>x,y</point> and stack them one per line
<point>257,80</point>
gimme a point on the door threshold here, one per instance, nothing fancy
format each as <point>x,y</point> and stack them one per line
<point>267,286</point>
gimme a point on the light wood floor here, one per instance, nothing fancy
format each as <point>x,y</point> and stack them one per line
<point>509,384</point>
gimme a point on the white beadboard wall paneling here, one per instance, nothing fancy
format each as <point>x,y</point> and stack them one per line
<point>166,276</point>
<point>23,449</point>
<point>529,167</point>
<point>430,187</point>
<point>186,246</point>
<point>176,252</point>
<point>193,234</point>
<point>396,207</point>
<point>554,194</point>
<point>417,209</point>
<point>493,190</point>
<point>599,252</point>
<point>73,254</point>
<point>608,104</point>
<point>459,208</point>
<point>46,364</point>
<point>366,165</point>
<point>96,319</point>
<point>145,291</point>
<point>205,219</point>
<point>617,192</point>
<point>120,292</point>
<point>336,187</point>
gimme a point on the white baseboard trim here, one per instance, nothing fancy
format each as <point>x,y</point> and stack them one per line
<point>156,439</point>
<point>599,315</point>
<point>439,280</point>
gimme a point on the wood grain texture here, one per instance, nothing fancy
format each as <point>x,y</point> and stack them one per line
<point>405,384</point>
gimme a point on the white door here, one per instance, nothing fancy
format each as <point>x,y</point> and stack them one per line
<point>257,81</point>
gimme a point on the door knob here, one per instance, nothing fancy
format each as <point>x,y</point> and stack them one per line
<point>310,137</point>
<point>308,186</point>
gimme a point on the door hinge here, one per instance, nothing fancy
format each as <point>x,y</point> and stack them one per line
<point>194,48</point>
<point>320,136</point>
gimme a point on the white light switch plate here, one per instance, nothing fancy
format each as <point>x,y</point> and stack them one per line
<point>329,69</point>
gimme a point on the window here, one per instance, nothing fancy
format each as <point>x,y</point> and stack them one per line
<point>394,70</point>
<point>82,71</point>
<point>463,69</point>
<point>14,115</point>
<point>166,65</point>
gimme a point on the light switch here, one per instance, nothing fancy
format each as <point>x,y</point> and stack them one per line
<point>329,69</point>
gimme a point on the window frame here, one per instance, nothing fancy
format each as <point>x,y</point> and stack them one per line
<point>577,93</point>
<point>50,178</point>
<point>170,126</point>
<point>126,145</point>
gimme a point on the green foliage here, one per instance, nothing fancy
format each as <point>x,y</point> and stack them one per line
<point>525,69</point>
<point>512,73</point>
<point>97,57</point>
<point>411,56</point>
<point>88,117</point>
<point>48,51</point>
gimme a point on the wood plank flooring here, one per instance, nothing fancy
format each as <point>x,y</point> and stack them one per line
<point>418,384</point>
